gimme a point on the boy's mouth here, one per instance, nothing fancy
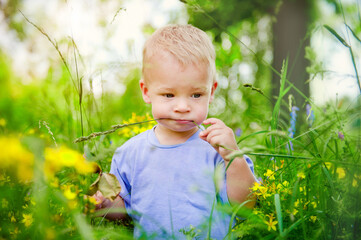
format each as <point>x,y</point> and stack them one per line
<point>184,121</point>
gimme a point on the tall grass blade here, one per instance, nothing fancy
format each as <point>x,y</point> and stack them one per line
<point>84,228</point>
<point>293,226</point>
<point>334,33</point>
<point>279,213</point>
<point>234,214</point>
<point>251,135</point>
<point>353,33</point>
<point>210,218</point>
<point>277,107</point>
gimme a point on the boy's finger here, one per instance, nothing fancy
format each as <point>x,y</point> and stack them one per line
<point>210,129</point>
<point>211,121</point>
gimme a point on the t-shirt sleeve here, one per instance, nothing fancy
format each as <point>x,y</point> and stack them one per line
<point>121,169</point>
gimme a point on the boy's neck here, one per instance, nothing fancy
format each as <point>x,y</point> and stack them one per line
<point>166,136</point>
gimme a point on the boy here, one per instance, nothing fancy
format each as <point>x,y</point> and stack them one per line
<point>167,173</point>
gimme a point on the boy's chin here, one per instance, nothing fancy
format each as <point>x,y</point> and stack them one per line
<point>179,128</point>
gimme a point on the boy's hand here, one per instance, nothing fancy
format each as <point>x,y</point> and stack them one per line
<point>220,137</point>
<point>102,202</point>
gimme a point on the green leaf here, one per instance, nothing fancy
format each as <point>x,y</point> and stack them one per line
<point>107,184</point>
<point>334,33</point>
<point>279,212</point>
<point>353,33</point>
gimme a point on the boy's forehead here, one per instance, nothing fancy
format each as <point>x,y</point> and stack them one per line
<point>168,86</point>
<point>162,57</point>
<point>160,60</point>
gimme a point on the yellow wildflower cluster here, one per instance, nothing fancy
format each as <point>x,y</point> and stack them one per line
<point>260,190</point>
<point>27,219</point>
<point>301,204</point>
<point>269,187</point>
<point>57,158</point>
<point>16,159</point>
<point>271,224</point>
<point>132,130</point>
<point>70,192</point>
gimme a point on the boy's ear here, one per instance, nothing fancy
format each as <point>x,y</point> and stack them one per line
<point>214,87</point>
<point>144,89</point>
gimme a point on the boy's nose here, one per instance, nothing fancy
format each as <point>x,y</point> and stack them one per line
<point>182,106</point>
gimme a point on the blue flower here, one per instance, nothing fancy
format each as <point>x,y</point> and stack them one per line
<point>310,115</point>
<point>238,132</point>
<point>292,129</point>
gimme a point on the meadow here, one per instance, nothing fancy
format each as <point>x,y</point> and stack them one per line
<point>57,138</point>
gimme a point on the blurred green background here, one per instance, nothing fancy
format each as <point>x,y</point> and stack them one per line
<point>289,86</point>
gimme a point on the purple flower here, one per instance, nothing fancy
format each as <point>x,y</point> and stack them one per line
<point>238,132</point>
<point>310,115</point>
<point>292,129</point>
<point>341,136</point>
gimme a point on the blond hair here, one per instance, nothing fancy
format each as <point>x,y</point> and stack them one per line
<point>188,44</point>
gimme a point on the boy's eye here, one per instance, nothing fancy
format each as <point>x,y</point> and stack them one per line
<point>196,95</point>
<point>168,95</point>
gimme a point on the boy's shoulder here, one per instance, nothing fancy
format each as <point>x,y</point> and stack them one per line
<point>141,138</point>
<point>134,142</point>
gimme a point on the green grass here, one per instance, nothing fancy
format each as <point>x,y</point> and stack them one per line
<point>311,190</point>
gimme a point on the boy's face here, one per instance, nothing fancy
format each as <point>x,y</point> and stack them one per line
<point>179,95</point>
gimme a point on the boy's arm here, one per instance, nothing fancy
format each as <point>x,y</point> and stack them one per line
<point>239,176</point>
<point>106,204</point>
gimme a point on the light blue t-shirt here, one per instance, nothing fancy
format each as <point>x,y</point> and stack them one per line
<point>167,188</point>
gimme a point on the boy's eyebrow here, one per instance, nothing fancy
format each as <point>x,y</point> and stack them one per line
<point>200,89</point>
<point>196,89</point>
<point>166,89</point>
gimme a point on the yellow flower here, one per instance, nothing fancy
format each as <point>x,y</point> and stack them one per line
<point>282,185</point>
<point>93,201</point>
<point>132,130</point>
<point>31,131</point>
<point>5,203</point>
<point>27,219</point>
<point>68,193</point>
<point>297,203</point>
<point>255,187</point>
<point>2,122</point>
<point>73,204</point>
<point>282,162</point>
<point>270,174</point>
<point>15,232</point>
<point>313,218</point>
<point>263,192</point>
<point>57,158</point>
<point>340,172</point>
<point>314,204</point>
<point>85,167</point>
<point>354,183</point>
<point>301,175</point>
<point>328,165</point>
<point>271,223</point>
<point>15,159</point>
<point>285,183</point>
<point>54,182</point>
